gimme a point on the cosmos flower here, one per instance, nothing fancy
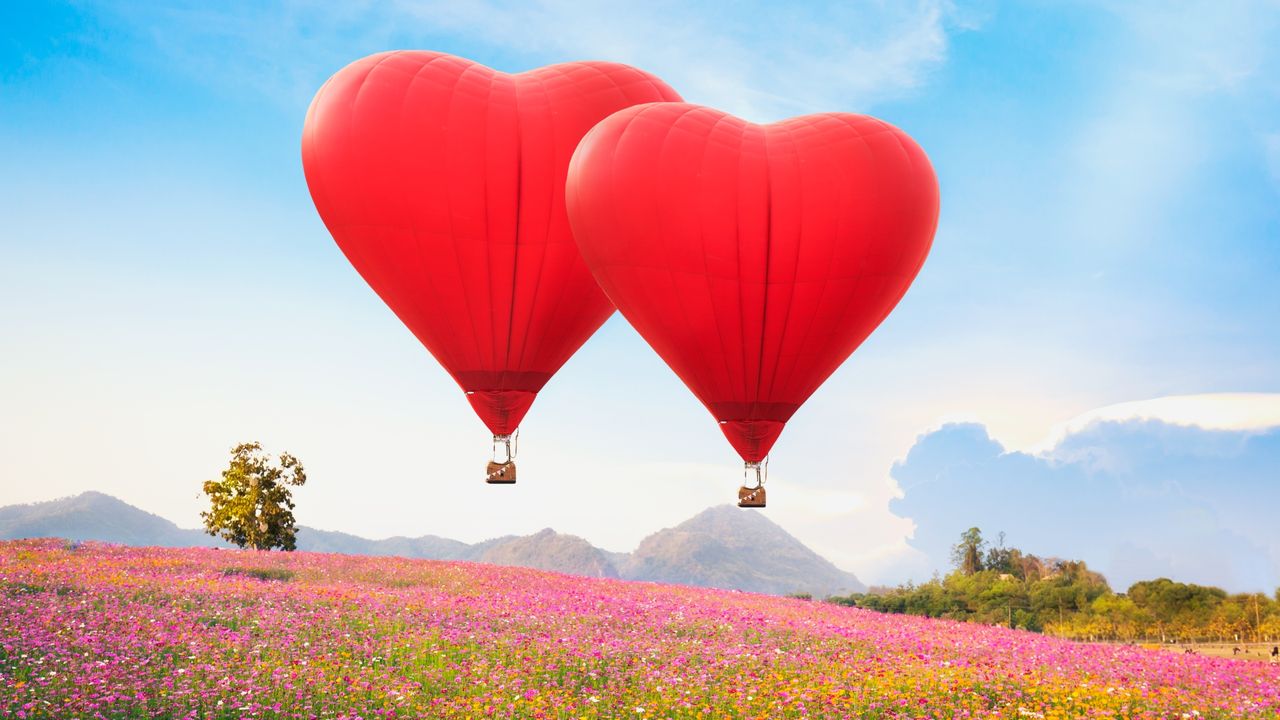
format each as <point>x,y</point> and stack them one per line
<point>102,631</point>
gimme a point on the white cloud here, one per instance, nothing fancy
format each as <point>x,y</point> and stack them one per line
<point>1211,411</point>
<point>762,62</point>
<point>1203,46</point>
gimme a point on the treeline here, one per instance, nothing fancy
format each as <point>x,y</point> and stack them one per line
<point>1004,586</point>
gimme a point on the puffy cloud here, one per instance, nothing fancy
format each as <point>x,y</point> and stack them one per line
<point>1135,498</point>
<point>1213,411</point>
<point>760,61</point>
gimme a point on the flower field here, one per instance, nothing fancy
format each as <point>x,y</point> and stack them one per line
<point>97,631</point>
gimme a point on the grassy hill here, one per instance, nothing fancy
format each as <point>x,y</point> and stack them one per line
<point>108,631</point>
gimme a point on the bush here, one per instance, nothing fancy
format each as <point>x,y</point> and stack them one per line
<point>274,574</point>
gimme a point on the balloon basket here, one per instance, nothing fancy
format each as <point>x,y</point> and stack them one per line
<point>502,468</point>
<point>500,473</point>
<point>750,497</point>
<point>751,494</point>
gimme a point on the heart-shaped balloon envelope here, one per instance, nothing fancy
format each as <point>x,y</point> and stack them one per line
<point>442,181</point>
<point>753,258</point>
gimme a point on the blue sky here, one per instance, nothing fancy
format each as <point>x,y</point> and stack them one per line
<point>1110,233</point>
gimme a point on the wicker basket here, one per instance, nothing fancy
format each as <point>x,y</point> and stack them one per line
<point>500,473</point>
<point>751,497</point>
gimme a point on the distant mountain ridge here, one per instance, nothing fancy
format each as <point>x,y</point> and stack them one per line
<point>721,547</point>
<point>727,547</point>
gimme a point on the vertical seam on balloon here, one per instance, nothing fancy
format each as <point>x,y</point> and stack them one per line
<point>862,273</point>
<point>901,246</point>
<point>415,233</point>
<point>737,247</point>
<point>450,363</point>
<point>616,87</point>
<point>355,101</point>
<point>895,134</point>
<point>484,200</point>
<point>537,283</point>
<point>624,101</point>
<point>670,274</point>
<point>394,275</point>
<point>768,255</point>
<point>515,245</point>
<point>607,269</point>
<point>708,138</point>
<point>705,364</point>
<point>804,392</point>
<point>542,267</point>
<point>453,235</point>
<point>857,127</point>
<point>791,299</point>
<point>502,408</point>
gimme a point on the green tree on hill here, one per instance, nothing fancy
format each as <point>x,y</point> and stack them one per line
<point>966,555</point>
<point>252,505</point>
<point>1002,559</point>
<point>1005,586</point>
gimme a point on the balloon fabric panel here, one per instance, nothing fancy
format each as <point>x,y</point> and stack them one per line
<point>442,181</point>
<point>754,259</point>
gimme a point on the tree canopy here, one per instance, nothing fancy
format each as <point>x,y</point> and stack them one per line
<point>252,505</point>
<point>1004,585</point>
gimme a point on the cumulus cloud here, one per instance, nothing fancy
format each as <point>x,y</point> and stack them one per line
<point>1135,498</point>
<point>762,61</point>
<point>759,60</point>
<point>1213,411</point>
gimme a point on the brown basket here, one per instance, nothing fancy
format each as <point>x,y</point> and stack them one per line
<point>751,497</point>
<point>500,473</point>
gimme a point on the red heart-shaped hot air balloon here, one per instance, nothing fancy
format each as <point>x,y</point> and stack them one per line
<point>753,258</point>
<point>442,181</point>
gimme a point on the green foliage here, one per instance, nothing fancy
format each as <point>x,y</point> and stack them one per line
<point>252,505</point>
<point>22,588</point>
<point>1006,586</point>
<point>966,555</point>
<point>1000,558</point>
<point>276,574</point>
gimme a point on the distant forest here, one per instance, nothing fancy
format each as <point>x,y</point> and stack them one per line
<point>999,585</point>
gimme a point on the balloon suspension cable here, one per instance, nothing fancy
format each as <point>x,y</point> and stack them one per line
<point>510,445</point>
<point>754,475</point>
<point>502,468</point>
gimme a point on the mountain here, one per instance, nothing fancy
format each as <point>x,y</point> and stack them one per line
<point>427,546</point>
<point>550,550</point>
<point>722,547</point>
<point>95,516</point>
